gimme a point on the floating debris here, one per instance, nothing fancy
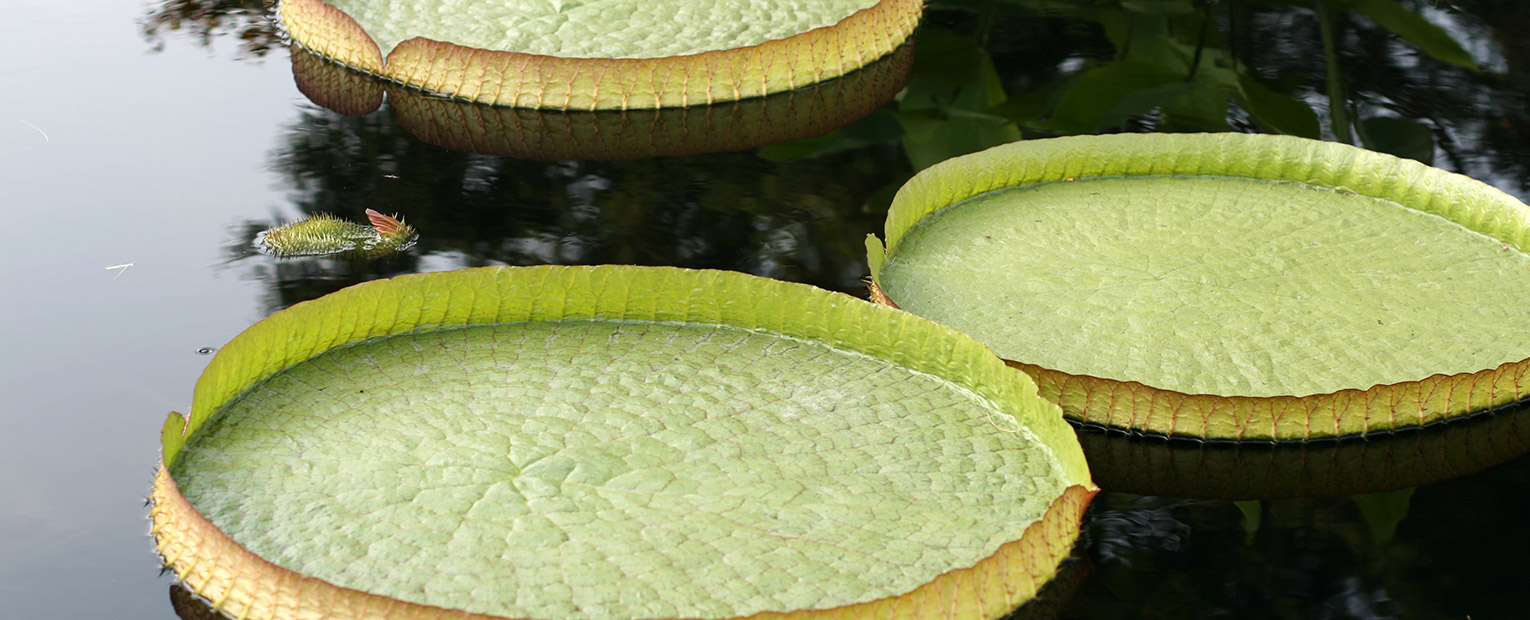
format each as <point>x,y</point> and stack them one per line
<point>123,267</point>
<point>327,235</point>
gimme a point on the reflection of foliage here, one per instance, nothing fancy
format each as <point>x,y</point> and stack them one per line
<point>990,71</point>
<point>1456,540</point>
<point>304,279</point>
<point>1157,557</point>
<point>803,221</point>
<point>1168,558</point>
<point>189,606</point>
<point>206,20</point>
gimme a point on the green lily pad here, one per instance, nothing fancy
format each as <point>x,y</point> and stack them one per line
<point>596,28</point>
<point>613,442</point>
<point>602,54</point>
<point>1226,286</point>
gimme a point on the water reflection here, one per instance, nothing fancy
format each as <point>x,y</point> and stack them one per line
<point>998,70</point>
<point>634,134</point>
<point>803,221</point>
<point>1331,468</point>
<point>208,20</point>
<point>1478,120</point>
<point>994,70</point>
<point>1166,558</point>
<point>987,72</point>
<point>1157,557</point>
<point>189,606</point>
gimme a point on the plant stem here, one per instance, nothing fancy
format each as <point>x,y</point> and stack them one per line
<point>1338,108</point>
<point>1200,42</point>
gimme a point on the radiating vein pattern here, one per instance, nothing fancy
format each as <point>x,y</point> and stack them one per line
<point>593,469</point>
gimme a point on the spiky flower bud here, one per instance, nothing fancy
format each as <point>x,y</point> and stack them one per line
<point>327,235</point>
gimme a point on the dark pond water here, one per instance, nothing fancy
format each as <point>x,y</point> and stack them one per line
<point>145,143</point>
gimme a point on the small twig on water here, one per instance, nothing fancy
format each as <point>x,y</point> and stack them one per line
<point>123,267</point>
<point>39,130</point>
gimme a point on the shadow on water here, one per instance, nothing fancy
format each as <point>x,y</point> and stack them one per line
<point>1431,552</point>
<point>608,134</point>
<point>1327,468</point>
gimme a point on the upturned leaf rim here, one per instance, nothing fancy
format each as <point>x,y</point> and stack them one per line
<point>237,581</point>
<point>525,80</point>
<point>1138,407</point>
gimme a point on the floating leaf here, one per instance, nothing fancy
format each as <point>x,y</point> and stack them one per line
<point>1227,286</point>
<point>610,442</point>
<point>614,54</point>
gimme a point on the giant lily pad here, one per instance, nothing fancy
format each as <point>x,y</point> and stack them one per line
<point>610,442</point>
<point>602,54</point>
<point>1225,286</point>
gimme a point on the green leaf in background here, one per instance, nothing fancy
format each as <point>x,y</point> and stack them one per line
<point>879,127</point>
<point>1146,100</point>
<point>1383,511</point>
<point>980,89</point>
<point>1339,118</point>
<point>1029,109</point>
<point>1201,110</point>
<point>943,118</point>
<point>942,113</point>
<point>1416,30</point>
<point>1253,513</point>
<point>1159,7</point>
<point>1398,136</point>
<point>945,58</point>
<point>1279,112</point>
<point>1113,91</point>
<point>1174,69</point>
<point>615,442</point>
<point>932,138</point>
